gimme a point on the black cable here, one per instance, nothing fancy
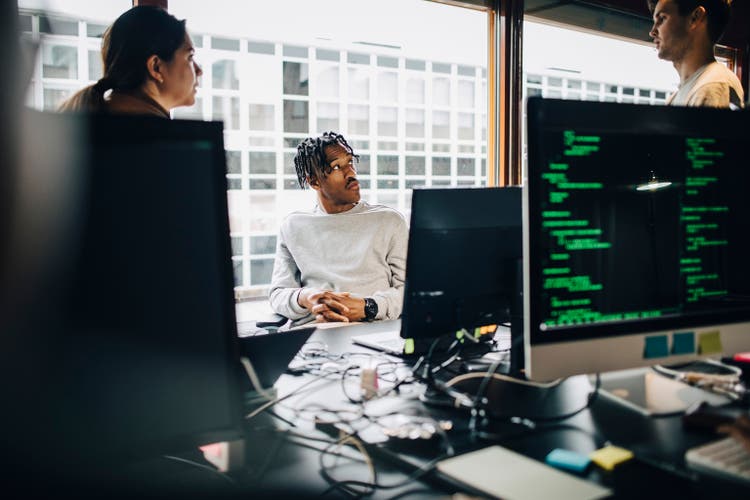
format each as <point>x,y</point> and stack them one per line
<point>421,471</point>
<point>202,466</point>
<point>344,485</point>
<point>590,399</point>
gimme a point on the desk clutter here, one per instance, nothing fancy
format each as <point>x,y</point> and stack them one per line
<point>437,420</point>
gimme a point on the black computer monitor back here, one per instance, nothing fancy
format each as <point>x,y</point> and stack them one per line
<point>464,249</point>
<point>147,355</point>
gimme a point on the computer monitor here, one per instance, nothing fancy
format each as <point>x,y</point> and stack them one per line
<point>145,353</point>
<point>635,236</point>
<point>463,255</point>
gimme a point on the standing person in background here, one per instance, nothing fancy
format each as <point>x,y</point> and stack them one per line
<point>147,57</point>
<point>685,32</point>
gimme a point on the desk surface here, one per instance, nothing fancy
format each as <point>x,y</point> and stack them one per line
<point>331,395</point>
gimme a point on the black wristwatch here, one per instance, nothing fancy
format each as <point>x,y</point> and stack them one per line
<point>371,309</point>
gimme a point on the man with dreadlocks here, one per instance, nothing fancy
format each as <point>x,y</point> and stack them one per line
<point>344,260</point>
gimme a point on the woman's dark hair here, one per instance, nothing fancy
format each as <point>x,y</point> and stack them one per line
<point>135,36</point>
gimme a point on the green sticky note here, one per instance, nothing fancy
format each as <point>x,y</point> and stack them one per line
<point>656,346</point>
<point>409,346</point>
<point>683,343</point>
<point>710,343</point>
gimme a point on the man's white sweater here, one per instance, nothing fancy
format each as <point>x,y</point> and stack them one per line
<point>361,251</point>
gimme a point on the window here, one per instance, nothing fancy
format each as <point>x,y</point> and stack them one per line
<point>60,61</point>
<point>566,63</point>
<point>262,117</point>
<point>387,87</point>
<point>224,75</point>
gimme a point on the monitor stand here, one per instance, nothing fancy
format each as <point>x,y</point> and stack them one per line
<point>653,394</point>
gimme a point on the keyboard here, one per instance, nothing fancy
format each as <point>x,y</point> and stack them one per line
<point>725,458</point>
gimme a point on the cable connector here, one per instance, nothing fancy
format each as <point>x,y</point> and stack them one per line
<point>368,383</point>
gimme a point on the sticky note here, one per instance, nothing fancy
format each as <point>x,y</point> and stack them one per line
<point>610,456</point>
<point>566,459</point>
<point>656,346</point>
<point>709,343</point>
<point>409,346</point>
<point>683,343</point>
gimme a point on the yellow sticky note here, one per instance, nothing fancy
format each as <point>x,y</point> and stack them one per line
<point>709,343</point>
<point>610,456</point>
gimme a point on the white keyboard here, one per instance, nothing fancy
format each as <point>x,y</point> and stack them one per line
<point>725,458</point>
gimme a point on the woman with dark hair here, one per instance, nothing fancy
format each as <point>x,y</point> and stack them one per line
<point>148,63</point>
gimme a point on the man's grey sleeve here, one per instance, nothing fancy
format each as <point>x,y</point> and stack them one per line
<point>391,302</point>
<point>285,284</point>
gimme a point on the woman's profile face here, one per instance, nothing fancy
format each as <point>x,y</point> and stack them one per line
<point>181,76</point>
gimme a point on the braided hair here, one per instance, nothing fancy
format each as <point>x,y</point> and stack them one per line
<point>310,160</point>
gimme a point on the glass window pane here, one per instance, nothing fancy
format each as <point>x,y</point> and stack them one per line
<point>262,183</point>
<point>466,94</point>
<point>295,78</point>
<point>55,26</point>
<point>364,164</point>
<point>95,30</point>
<point>441,124</point>
<point>225,44</point>
<point>296,116</point>
<point>261,48</point>
<point>387,121</point>
<point>59,61</point>
<point>262,244</point>
<point>465,166</point>
<point>441,166</point>
<point>359,84</point>
<point>441,68</point>
<point>415,64</point>
<point>262,117</point>
<point>95,65</point>
<point>328,117</point>
<point>237,245</point>
<point>415,165</point>
<point>359,120</point>
<point>388,87</point>
<point>466,125</point>
<point>224,75</point>
<point>357,58</point>
<point>54,97</point>
<point>234,162</point>
<point>227,109</point>
<point>415,91</point>
<point>441,92</point>
<point>387,165</point>
<point>328,82</point>
<point>238,269</point>
<point>262,162</point>
<point>261,271</point>
<point>414,123</point>
<point>327,55</point>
